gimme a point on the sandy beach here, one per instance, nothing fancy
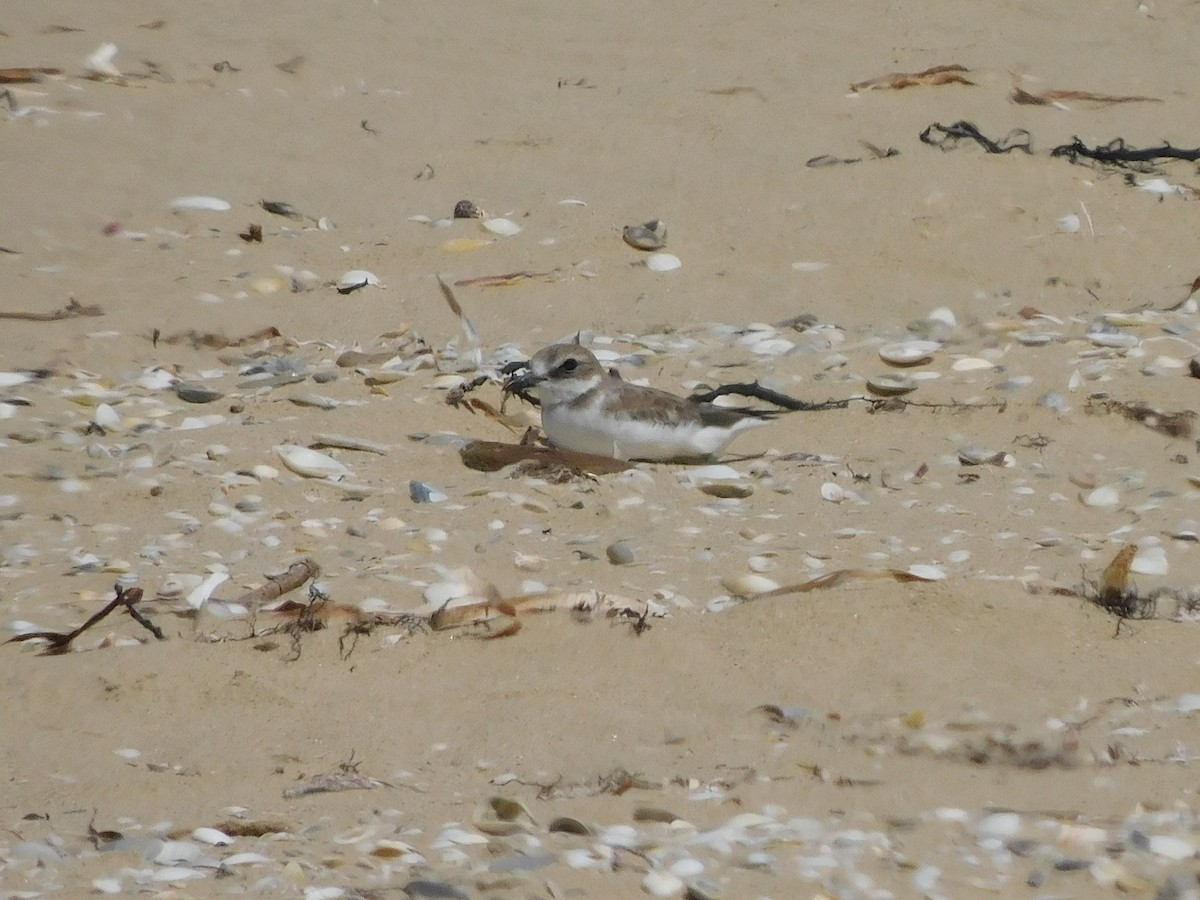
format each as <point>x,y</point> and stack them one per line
<point>938,708</point>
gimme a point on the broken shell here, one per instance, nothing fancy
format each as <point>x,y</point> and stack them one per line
<point>978,456</point>
<point>270,284</point>
<point>726,490</point>
<point>972,364</point>
<point>1171,847</point>
<point>467,209</point>
<point>1106,336</point>
<point>528,562</point>
<point>310,463</point>
<point>420,492</point>
<point>909,353</point>
<point>748,584</point>
<point>107,418</point>
<point>1068,224</point>
<point>461,245</point>
<point>663,262</point>
<point>12,379</point>
<point>1150,560</point>
<point>281,208</point>
<point>1036,338</point>
<point>888,385</point>
<point>201,593</point>
<point>357,278</point>
<point>211,204</point>
<point>833,492</point>
<point>567,825</point>
<point>212,836</point>
<point>502,227</point>
<point>927,572</point>
<point>1103,497</point>
<point>651,235</point>
<point>100,62</point>
<point>502,816</point>
<point>191,393</point>
<point>662,884</point>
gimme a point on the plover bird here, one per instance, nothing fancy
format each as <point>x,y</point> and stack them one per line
<point>590,410</point>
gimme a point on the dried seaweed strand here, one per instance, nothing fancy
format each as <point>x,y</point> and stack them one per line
<point>1053,97</point>
<point>840,577</point>
<point>60,642</point>
<point>215,341</point>
<point>947,137</point>
<point>1173,424</point>
<point>937,75</point>
<point>758,392</point>
<point>1117,153</point>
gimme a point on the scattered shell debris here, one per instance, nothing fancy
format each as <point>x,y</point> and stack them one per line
<point>973,460</point>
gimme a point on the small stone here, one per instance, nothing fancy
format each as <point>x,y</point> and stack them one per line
<point>619,553</point>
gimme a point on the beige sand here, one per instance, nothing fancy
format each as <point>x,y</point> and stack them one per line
<point>702,114</point>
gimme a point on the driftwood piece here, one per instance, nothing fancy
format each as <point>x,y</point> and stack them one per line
<point>275,587</point>
<point>491,456</point>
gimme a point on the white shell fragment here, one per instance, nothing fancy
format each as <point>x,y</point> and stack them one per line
<point>1111,337</point>
<point>100,61</point>
<point>1104,497</point>
<point>890,384</point>
<point>972,364</point>
<point>662,884</point>
<point>310,463</point>
<point>502,227</point>
<point>197,202</point>
<point>1150,561</point>
<point>928,572</point>
<point>833,492</point>
<point>212,836</point>
<point>663,262</point>
<point>909,353</point>
<point>204,591</point>
<point>1068,224</point>
<point>1159,186</point>
<point>748,585</point>
<point>1188,703</point>
<point>1171,847</point>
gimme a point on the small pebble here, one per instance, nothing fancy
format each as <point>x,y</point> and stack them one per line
<point>619,553</point>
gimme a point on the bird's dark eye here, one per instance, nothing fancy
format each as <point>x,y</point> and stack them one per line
<point>569,365</point>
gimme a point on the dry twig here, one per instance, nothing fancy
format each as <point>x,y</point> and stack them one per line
<point>73,310</point>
